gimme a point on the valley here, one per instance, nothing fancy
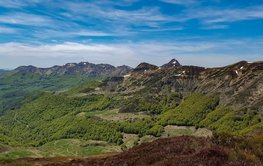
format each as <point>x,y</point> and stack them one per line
<point>81,115</point>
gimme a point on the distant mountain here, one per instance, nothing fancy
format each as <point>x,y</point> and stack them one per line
<point>15,85</point>
<point>172,63</point>
<point>142,67</point>
<point>239,84</point>
<point>83,68</point>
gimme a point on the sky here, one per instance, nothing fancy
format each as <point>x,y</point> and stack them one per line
<point>208,33</point>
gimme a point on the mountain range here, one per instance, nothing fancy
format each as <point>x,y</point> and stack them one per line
<point>82,109</point>
<point>77,68</point>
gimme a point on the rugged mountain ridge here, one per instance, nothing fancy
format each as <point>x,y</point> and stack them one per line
<point>239,85</point>
<point>145,103</point>
<point>82,68</point>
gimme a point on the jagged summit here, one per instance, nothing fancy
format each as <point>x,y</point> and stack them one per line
<point>144,67</point>
<point>172,63</point>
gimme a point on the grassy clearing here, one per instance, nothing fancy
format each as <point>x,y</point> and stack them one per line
<point>130,140</point>
<point>114,115</point>
<point>15,154</point>
<point>203,132</point>
<point>75,147</point>
<point>172,130</point>
<point>62,148</point>
<point>147,138</point>
<point>105,114</point>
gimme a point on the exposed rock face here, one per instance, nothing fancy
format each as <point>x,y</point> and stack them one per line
<point>239,85</point>
<point>172,63</point>
<point>78,68</point>
<point>122,70</point>
<point>142,67</point>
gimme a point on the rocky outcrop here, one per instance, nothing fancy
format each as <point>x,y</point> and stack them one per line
<point>172,63</point>
<point>239,85</point>
<point>143,67</point>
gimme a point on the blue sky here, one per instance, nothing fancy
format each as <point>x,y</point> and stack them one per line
<point>198,32</point>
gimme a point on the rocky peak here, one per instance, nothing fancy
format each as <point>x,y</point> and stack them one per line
<point>29,68</point>
<point>144,67</point>
<point>172,63</point>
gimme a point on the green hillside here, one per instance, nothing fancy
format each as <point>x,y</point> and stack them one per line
<point>83,115</point>
<point>15,86</point>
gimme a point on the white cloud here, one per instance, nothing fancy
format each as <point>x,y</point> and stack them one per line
<point>153,17</point>
<point>25,19</point>
<point>209,27</point>
<point>160,29</point>
<point>11,3</point>
<point>210,15</point>
<point>69,33</point>
<point>5,30</point>
<point>112,15</point>
<point>90,33</point>
<point>17,4</point>
<point>180,2</point>
<point>210,53</point>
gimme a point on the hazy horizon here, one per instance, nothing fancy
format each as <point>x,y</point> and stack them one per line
<point>120,65</point>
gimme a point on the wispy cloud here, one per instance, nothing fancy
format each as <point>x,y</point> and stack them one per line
<point>46,34</point>
<point>11,3</point>
<point>72,19</point>
<point>25,19</point>
<point>211,15</point>
<point>210,27</point>
<point>6,30</point>
<point>107,13</point>
<point>209,53</point>
<point>18,3</point>
<point>181,2</point>
<point>162,29</point>
<point>127,31</point>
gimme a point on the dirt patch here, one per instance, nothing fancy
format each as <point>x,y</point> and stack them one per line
<point>81,114</point>
<point>3,148</point>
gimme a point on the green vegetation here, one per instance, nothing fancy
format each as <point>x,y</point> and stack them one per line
<point>139,126</point>
<point>14,154</point>
<point>235,122</point>
<point>62,123</point>
<point>191,111</point>
<point>152,104</point>
<point>39,121</point>
<point>51,116</point>
<point>171,131</point>
<point>85,87</point>
<point>156,130</point>
<point>15,87</point>
<point>202,111</point>
<point>63,147</point>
